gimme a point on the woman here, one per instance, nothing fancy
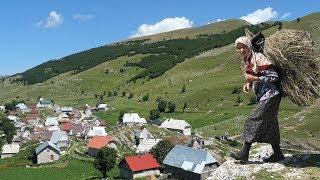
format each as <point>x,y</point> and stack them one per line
<point>262,125</point>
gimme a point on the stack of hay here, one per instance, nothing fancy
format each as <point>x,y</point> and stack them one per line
<point>293,53</point>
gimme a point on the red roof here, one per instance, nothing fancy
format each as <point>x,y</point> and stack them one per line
<point>66,127</point>
<point>142,162</point>
<point>99,142</point>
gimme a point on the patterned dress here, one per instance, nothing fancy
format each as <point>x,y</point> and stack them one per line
<point>262,124</point>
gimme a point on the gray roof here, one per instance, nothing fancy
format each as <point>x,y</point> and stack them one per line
<point>58,136</point>
<point>44,145</point>
<point>189,159</point>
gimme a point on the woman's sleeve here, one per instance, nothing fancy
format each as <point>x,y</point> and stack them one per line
<point>269,75</point>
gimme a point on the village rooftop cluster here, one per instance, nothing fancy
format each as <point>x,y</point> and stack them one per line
<point>56,130</point>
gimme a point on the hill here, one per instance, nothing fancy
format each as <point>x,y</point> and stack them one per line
<point>211,76</point>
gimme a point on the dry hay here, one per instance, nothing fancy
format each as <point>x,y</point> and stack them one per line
<point>293,53</point>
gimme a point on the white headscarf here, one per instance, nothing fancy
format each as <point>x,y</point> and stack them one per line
<point>257,59</point>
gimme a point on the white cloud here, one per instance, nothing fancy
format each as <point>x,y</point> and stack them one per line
<point>285,15</point>
<point>53,20</point>
<point>168,24</point>
<point>82,17</point>
<point>261,15</point>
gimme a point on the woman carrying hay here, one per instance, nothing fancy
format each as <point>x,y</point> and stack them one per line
<point>262,124</point>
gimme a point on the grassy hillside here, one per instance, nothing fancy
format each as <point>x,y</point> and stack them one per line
<point>210,79</point>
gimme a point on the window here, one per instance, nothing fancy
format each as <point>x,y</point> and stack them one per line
<point>52,157</point>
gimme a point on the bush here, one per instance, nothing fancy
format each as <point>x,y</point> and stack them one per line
<point>109,93</point>
<point>161,150</point>
<point>146,97</point>
<point>122,70</point>
<point>172,107</point>
<point>185,106</point>
<point>105,160</point>
<point>154,114</point>
<point>123,94</point>
<point>162,106</point>
<point>130,96</point>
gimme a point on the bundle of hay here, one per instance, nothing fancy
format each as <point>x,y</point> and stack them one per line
<point>293,53</point>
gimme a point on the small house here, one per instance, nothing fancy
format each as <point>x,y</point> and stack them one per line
<point>180,126</point>
<point>2,108</point>
<point>97,131</point>
<point>133,119</point>
<point>21,107</point>
<point>102,107</point>
<point>44,103</point>
<point>138,166</point>
<point>60,138</point>
<point>51,121</point>
<point>143,134</point>
<point>47,152</point>
<point>188,163</point>
<point>9,150</point>
<point>73,129</point>
<point>97,143</point>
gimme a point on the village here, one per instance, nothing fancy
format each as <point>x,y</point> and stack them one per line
<point>57,131</point>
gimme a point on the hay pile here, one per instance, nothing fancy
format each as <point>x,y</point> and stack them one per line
<point>293,53</point>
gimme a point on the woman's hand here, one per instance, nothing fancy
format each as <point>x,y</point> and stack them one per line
<point>246,87</point>
<point>250,78</point>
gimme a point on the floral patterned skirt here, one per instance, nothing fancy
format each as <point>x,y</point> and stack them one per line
<point>262,124</point>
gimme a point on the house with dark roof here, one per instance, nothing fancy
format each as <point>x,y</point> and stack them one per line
<point>187,163</point>
<point>98,142</point>
<point>47,152</point>
<point>138,166</point>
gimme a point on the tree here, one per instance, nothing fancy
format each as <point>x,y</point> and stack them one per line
<point>124,94</point>
<point>183,90</point>
<point>8,128</point>
<point>120,116</point>
<point>109,93</point>
<point>115,93</point>
<point>130,96</point>
<point>106,71</point>
<point>105,160</point>
<point>146,97</point>
<point>298,19</point>
<point>172,107</point>
<point>279,25</point>
<point>185,105</point>
<point>161,150</point>
<point>122,70</point>
<point>162,105</point>
<point>154,114</point>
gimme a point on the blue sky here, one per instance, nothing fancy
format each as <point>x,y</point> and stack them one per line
<point>34,31</point>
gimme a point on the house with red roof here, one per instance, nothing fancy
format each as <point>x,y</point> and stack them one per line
<point>139,166</point>
<point>73,129</point>
<point>98,142</point>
